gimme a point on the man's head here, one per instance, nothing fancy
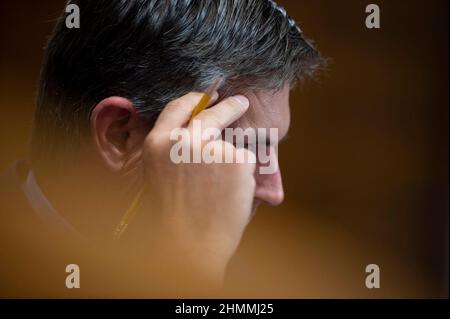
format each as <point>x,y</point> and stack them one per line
<point>111,78</point>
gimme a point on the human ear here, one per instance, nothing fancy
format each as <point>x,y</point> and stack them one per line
<point>118,131</point>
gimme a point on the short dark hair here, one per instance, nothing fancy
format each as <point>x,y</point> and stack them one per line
<point>153,51</point>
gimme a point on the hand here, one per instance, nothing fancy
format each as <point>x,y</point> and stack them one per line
<point>203,208</point>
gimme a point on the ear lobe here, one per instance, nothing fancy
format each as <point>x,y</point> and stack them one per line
<point>114,122</point>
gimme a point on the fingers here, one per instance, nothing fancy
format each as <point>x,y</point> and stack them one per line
<point>178,112</point>
<point>224,113</point>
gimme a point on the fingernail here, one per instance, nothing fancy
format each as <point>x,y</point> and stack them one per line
<point>214,96</point>
<point>242,100</point>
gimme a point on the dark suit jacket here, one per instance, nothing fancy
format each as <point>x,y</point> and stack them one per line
<point>27,243</point>
<point>34,256</point>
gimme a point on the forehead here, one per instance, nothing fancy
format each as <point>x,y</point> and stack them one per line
<point>267,110</point>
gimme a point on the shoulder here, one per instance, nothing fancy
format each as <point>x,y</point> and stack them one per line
<point>15,211</point>
<point>19,248</point>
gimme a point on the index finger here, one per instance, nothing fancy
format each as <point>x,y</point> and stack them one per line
<point>223,114</point>
<point>177,113</point>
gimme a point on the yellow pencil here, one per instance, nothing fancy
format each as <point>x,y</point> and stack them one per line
<point>137,201</point>
<point>207,96</point>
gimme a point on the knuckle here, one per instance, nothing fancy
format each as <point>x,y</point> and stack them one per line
<point>233,105</point>
<point>154,142</point>
<point>218,145</point>
<point>175,104</point>
<point>252,183</point>
<point>184,102</point>
<point>247,168</point>
<point>213,120</point>
<point>229,148</point>
<point>194,96</point>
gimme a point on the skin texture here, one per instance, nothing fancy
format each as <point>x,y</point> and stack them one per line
<point>186,212</point>
<point>200,215</point>
<point>268,110</point>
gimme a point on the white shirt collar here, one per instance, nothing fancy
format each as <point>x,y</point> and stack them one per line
<point>43,208</point>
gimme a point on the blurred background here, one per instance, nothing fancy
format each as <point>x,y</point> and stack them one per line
<point>365,165</point>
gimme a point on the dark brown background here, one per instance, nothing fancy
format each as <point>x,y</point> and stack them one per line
<point>366,163</point>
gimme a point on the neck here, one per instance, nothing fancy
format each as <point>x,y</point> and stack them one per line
<point>89,198</point>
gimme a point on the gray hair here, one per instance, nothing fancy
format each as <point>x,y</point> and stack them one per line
<point>153,51</point>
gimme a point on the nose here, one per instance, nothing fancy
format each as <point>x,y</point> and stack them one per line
<point>269,187</point>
